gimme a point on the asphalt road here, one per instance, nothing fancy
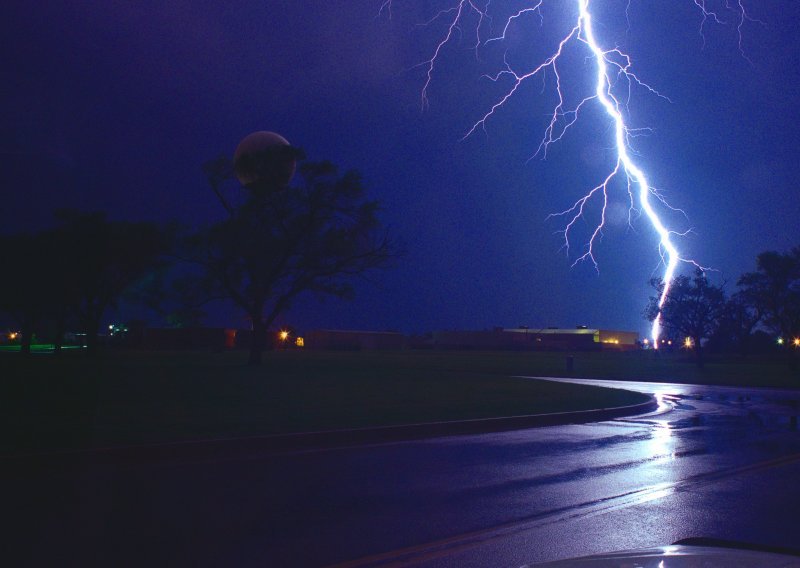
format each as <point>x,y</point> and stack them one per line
<point>715,462</point>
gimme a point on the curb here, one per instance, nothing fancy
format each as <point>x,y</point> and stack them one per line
<point>409,432</point>
<point>229,448</point>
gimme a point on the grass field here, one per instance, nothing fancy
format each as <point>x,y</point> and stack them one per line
<point>127,398</point>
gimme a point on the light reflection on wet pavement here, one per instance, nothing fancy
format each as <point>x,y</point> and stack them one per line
<point>646,475</point>
<point>716,462</point>
<point>542,484</point>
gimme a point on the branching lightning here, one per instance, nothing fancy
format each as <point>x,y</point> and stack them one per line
<point>614,81</point>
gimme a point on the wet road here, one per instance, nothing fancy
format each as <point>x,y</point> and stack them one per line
<point>717,462</point>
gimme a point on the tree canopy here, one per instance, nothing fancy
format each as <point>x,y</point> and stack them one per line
<point>775,288</point>
<point>774,291</point>
<point>75,271</point>
<point>692,308</point>
<point>315,236</point>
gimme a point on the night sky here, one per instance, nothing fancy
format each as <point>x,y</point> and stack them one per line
<point>116,106</point>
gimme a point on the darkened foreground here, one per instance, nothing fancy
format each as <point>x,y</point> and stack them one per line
<point>133,398</point>
<point>723,463</point>
<point>147,397</point>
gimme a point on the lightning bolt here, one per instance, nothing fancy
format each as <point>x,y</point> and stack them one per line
<point>614,83</point>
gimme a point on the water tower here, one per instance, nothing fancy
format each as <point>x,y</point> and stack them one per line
<point>264,162</point>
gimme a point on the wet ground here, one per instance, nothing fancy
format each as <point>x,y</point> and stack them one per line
<point>712,461</point>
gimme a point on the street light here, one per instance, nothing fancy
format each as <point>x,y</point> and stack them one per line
<point>283,335</point>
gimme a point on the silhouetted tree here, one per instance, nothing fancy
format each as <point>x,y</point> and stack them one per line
<point>26,282</point>
<point>739,320</point>
<point>775,289</point>
<point>72,273</point>
<point>693,308</point>
<point>170,293</point>
<point>101,259</point>
<point>279,243</point>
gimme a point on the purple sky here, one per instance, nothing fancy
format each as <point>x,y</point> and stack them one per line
<point>116,106</point>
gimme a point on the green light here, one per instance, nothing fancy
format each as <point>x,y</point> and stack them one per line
<point>38,347</point>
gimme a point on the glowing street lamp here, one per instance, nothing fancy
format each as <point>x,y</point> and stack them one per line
<point>283,336</point>
<point>688,343</point>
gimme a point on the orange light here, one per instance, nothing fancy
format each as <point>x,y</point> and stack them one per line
<point>796,342</point>
<point>688,343</point>
<point>13,335</point>
<point>300,342</point>
<point>284,335</point>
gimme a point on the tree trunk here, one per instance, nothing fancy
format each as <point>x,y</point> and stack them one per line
<point>258,340</point>
<point>698,353</point>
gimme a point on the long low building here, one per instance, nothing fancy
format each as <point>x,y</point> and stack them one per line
<point>603,337</point>
<point>545,339</point>
<point>520,338</point>
<point>344,340</point>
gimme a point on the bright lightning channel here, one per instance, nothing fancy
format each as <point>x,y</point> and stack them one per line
<point>612,66</point>
<point>671,255</point>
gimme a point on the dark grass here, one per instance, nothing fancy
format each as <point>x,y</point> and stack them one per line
<point>132,398</point>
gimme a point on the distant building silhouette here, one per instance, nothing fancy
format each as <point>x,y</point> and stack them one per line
<point>342,340</point>
<point>544,339</point>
